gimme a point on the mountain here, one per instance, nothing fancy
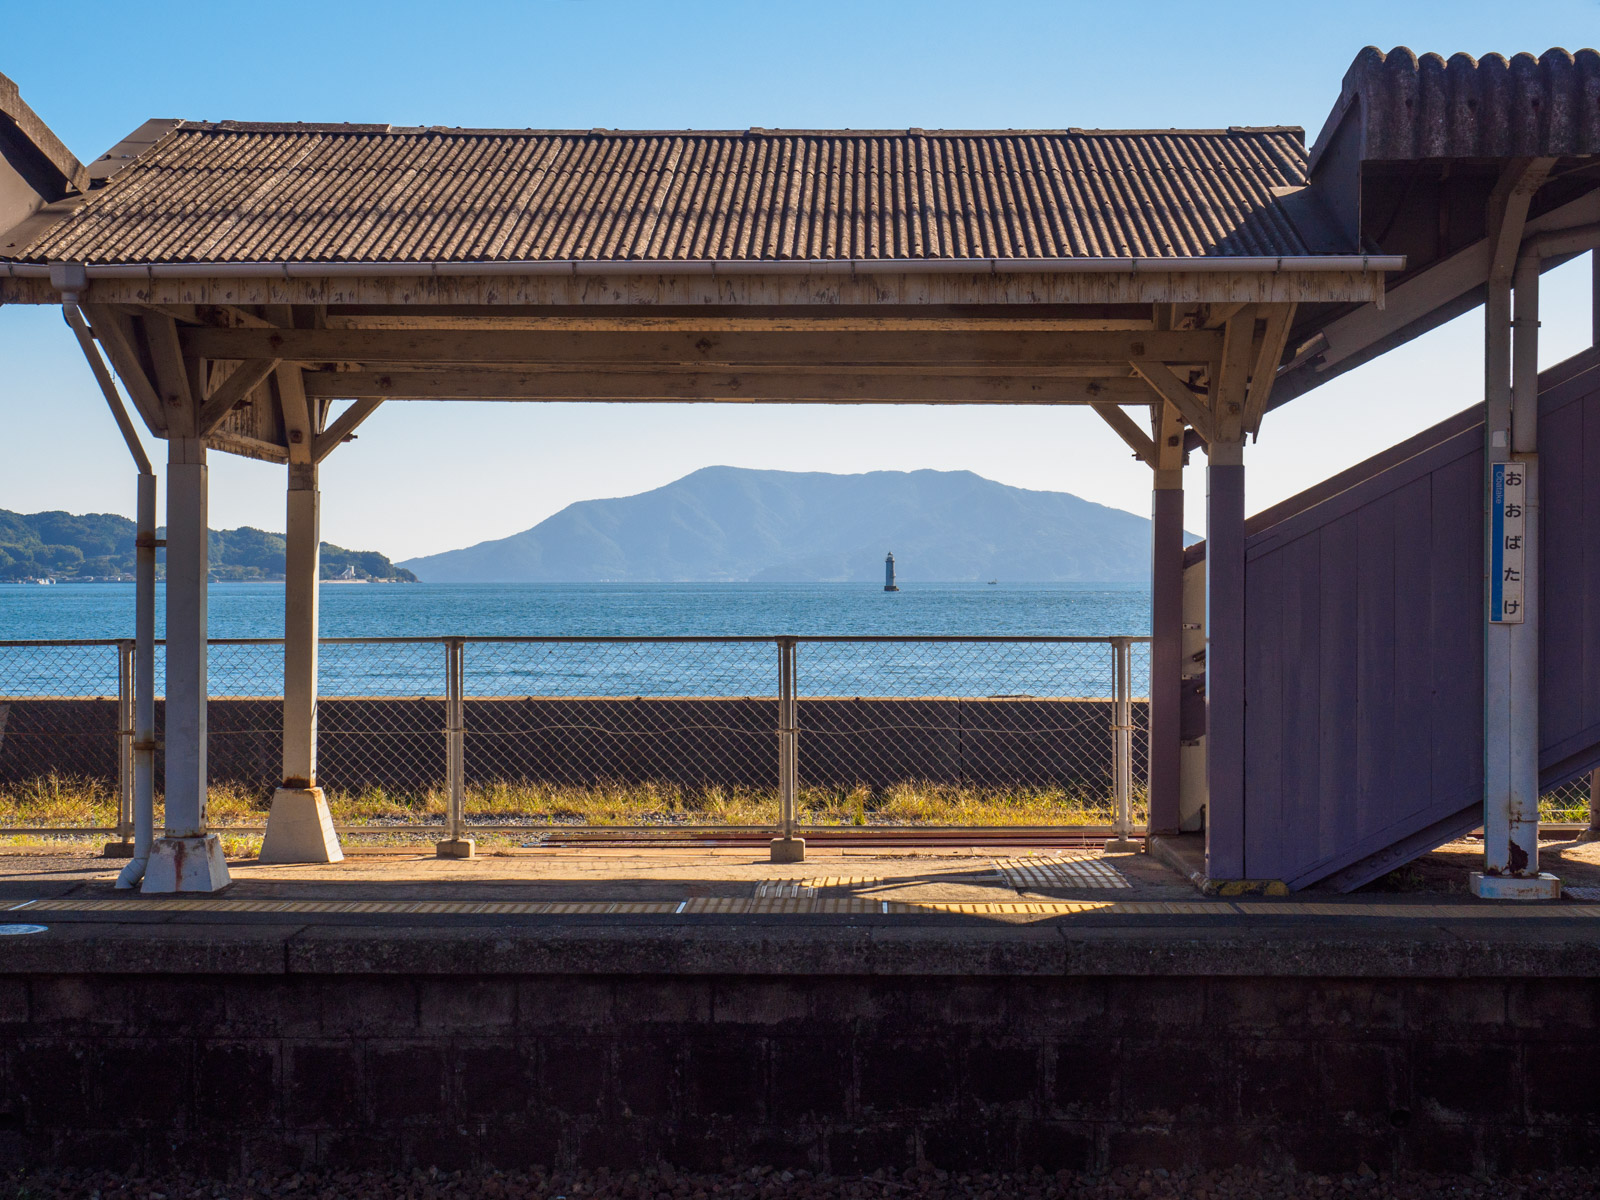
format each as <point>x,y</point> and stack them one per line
<point>100,546</point>
<point>730,524</point>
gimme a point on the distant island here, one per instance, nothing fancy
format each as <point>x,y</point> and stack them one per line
<point>728,524</point>
<point>99,546</point>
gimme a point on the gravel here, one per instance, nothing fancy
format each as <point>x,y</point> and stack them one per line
<point>763,1183</point>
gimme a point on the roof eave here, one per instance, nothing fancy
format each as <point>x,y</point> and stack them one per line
<point>1134,265</point>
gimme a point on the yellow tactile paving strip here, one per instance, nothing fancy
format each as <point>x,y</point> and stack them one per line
<point>747,906</point>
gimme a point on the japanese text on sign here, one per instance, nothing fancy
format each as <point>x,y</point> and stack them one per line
<point>1508,534</point>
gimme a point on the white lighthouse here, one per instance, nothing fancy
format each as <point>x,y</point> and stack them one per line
<point>888,574</point>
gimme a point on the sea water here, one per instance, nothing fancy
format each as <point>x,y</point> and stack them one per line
<point>255,610</point>
<point>243,610</point>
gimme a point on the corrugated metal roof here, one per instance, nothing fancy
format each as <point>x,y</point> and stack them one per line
<point>1493,107</point>
<point>372,194</point>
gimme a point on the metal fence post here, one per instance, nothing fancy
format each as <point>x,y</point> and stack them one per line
<point>123,846</point>
<point>787,848</point>
<point>1122,745</point>
<point>457,845</point>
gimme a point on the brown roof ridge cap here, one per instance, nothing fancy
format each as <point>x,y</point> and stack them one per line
<point>1401,68</point>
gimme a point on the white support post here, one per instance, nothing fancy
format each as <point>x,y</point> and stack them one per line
<point>1122,747</point>
<point>458,844</point>
<point>1511,638</point>
<point>300,827</point>
<point>123,846</point>
<point>189,858</point>
<point>144,683</point>
<point>787,848</point>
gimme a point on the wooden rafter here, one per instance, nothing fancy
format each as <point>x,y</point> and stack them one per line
<point>247,447</point>
<point>247,376</point>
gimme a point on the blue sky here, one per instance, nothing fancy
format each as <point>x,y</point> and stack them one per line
<point>428,477</point>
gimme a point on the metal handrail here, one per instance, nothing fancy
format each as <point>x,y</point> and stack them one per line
<point>747,638</point>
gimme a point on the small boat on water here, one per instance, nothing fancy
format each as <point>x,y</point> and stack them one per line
<point>992,582</point>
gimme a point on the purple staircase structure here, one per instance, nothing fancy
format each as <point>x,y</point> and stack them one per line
<point>1364,656</point>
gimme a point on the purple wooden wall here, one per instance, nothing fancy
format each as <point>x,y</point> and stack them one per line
<point>1364,663</point>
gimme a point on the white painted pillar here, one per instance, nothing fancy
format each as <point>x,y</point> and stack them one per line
<point>299,827</point>
<point>1511,647</point>
<point>188,858</point>
<point>302,570</point>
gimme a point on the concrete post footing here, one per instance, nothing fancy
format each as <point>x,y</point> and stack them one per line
<point>119,850</point>
<point>300,829</point>
<point>456,848</point>
<point>1543,886</point>
<point>1123,846</point>
<point>186,864</point>
<point>1589,835</point>
<point>788,850</point>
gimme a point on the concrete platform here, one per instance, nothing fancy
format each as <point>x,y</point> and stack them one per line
<point>998,889</point>
<point>970,1009</point>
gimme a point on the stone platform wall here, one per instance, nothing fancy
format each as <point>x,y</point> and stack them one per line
<point>844,1073</point>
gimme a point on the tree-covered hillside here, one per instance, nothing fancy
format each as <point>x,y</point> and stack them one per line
<point>100,546</point>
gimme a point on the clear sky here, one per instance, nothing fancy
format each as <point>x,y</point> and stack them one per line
<point>424,478</point>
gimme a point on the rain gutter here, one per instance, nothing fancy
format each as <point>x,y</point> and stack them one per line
<point>830,266</point>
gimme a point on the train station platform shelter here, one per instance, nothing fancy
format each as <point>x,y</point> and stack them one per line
<point>231,282</point>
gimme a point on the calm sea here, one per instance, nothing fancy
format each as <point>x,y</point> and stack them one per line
<point>89,610</point>
<point>255,610</point>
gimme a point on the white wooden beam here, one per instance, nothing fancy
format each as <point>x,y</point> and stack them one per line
<point>1228,388</point>
<point>1265,370</point>
<point>1144,449</point>
<point>246,377</point>
<point>1008,351</point>
<point>343,427</point>
<point>647,386</point>
<point>299,430</point>
<point>1175,392</point>
<point>172,376</point>
<point>112,330</point>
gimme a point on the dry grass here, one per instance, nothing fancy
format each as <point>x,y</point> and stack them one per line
<point>67,802</point>
<point>63,801</point>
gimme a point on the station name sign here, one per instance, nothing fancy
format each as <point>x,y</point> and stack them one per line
<point>1508,538</point>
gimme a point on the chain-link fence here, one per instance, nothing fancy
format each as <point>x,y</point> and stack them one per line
<point>616,731</point>
<point>66,728</point>
<point>969,731</point>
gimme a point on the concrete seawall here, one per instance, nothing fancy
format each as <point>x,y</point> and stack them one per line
<point>399,744</point>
